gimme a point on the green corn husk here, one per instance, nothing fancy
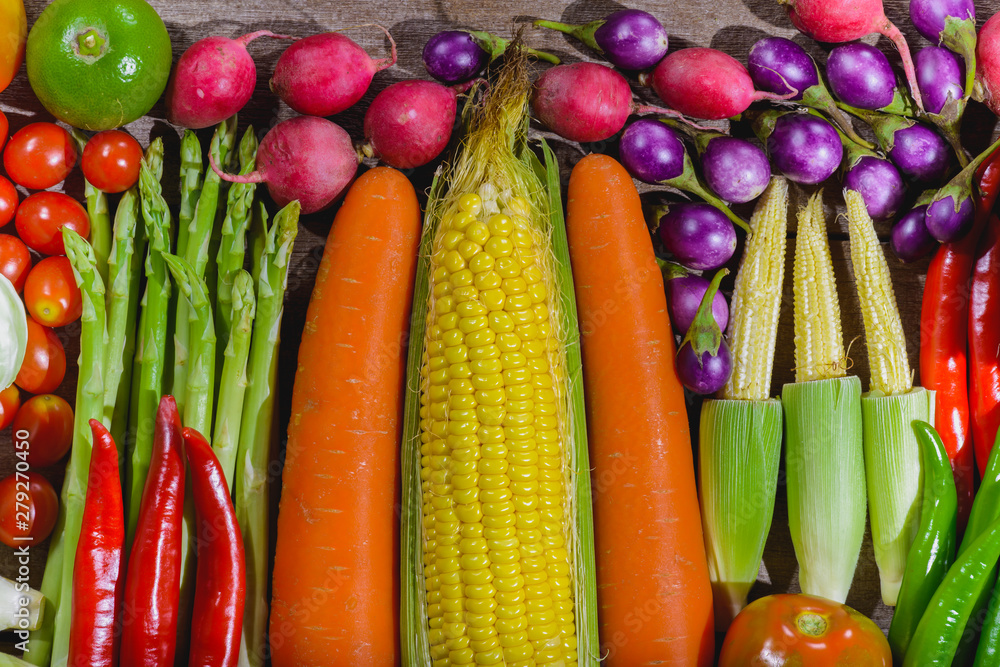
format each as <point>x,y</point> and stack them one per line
<point>894,477</point>
<point>825,468</point>
<point>738,456</point>
<point>497,151</point>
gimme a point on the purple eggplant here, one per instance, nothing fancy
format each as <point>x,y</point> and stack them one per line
<point>454,56</point>
<point>805,148</point>
<point>704,362</point>
<point>629,38</point>
<point>950,213</point>
<point>930,17</point>
<point>910,239</point>
<point>735,169</point>
<point>879,184</point>
<point>685,290</point>
<point>917,150</point>
<point>778,65</point>
<point>654,153</point>
<point>861,76</point>
<point>940,74</point>
<point>698,235</point>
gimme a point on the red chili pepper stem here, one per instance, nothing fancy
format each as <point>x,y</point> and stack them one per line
<point>220,592</point>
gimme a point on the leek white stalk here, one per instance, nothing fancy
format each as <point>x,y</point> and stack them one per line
<point>824,458</point>
<point>21,608</point>
<point>740,437</point>
<point>892,454</point>
<point>13,332</point>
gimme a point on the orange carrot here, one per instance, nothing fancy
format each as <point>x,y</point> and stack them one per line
<point>653,592</point>
<point>336,571</point>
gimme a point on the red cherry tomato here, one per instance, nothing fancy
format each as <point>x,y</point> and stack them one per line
<point>41,217</point>
<point>40,155</point>
<point>10,402</point>
<point>44,361</point>
<point>15,260</point>
<point>111,161</point>
<point>4,128</point>
<point>51,294</point>
<point>8,201</point>
<point>28,508</point>
<point>46,422</point>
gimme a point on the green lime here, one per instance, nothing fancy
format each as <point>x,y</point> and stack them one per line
<point>98,64</point>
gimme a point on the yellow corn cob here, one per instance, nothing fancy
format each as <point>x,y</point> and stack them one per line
<point>753,325</point>
<point>890,368</point>
<point>495,501</point>
<point>819,341</point>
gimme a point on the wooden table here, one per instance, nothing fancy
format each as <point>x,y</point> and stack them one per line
<point>730,25</point>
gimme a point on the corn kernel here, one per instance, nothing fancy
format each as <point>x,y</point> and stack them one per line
<point>483,352</point>
<point>507,267</point>
<point>488,280</point>
<point>471,203</point>
<point>479,233</point>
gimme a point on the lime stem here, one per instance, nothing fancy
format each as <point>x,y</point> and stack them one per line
<point>90,43</point>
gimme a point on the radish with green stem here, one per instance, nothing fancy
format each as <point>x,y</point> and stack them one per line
<point>654,153</point>
<point>305,158</point>
<point>706,83</point>
<point>629,38</point>
<point>454,56</point>
<point>213,80</point>
<point>780,66</point>
<point>327,73</point>
<point>586,102</point>
<point>836,21</point>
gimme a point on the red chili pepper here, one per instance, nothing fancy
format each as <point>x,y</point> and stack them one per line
<point>944,338</point>
<point>97,570</point>
<point>152,587</point>
<point>220,593</point>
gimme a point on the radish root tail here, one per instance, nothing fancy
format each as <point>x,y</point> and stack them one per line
<point>890,30</point>
<point>252,177</point>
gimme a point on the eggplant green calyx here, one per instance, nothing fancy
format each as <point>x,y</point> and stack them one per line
<point>704,335</point>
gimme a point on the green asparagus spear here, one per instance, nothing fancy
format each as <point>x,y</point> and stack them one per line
<point>254,454</point>
<point>89,402</point>
<point>233,382</point>
<point>232,246</point>
<point>192,171</point>
<point>97,212</point>
<point>39,649</point>
<point>199,232</point>
<point>152,354</point>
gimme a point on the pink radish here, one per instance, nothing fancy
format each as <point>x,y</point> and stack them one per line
<point>836,21</point>
<point>325,74</point>
<point>586,102</point>
<point>409,123</point>
<point>706,83</point>
<point>213,80</point>
<point>987,88</point>
<point>306,158</point>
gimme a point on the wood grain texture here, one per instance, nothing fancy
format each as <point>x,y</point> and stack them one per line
<point>730,25</point>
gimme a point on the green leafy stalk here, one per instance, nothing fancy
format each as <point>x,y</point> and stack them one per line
<point>124,273</point>
<point>233,381</point>
<point>232,245</point>
<point>199,234</point>
<point>89,402</point>
<point>152,354</point>
<point>254,453</point>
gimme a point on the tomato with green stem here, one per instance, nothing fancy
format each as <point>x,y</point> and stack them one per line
<point>9,200</point>
<point>10,403</point>
<point>29,507</point>
<point>111,161</point>
<point>44,363</point>
<point>786,630</point>
<point>40,155</point>
<point>15,260</point>
<point>46,423</point>
<point>41,217</point>
<point>51,294</point>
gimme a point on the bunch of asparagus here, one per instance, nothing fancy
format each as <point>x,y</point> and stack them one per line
<point>206,331</point>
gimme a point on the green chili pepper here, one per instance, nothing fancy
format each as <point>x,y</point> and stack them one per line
<point>943,624</point>
<point>986,508</point>
<point>933,551</point>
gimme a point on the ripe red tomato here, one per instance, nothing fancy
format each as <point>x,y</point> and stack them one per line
<point>111,161</point>
<point>44,361</point>
<point>10,402</point>
<point>29,507</point>
<point>15,260</point>
<point>46,423</point>
<point>803,630</point>
<point>8,201</point>
<point>51,294</point>
<point>40,155</point>
<point>41,217</point>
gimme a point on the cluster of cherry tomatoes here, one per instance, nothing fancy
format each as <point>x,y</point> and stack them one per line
<point>37,157</point>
